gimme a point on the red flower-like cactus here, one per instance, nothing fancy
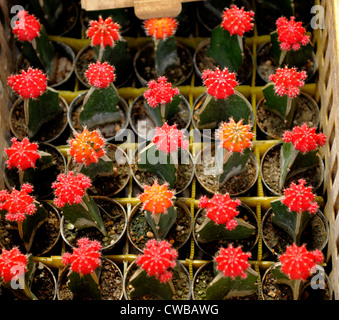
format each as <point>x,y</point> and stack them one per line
<point>70,188</point>
<point>18,203</point>
<point>237,21</point>
<point>288,81</point>
<point>232,262</point>
<point>86,258</point>
<point>220,83</point>
<point>27,27</point>
<point>156,198</point>
<point>169,139</point>
<point>304,139</point>
<point>221,209</point>
<point>22,155</point>
<point>103,32</point>
<point>299,198</point>
<point>298,263</point>
<point>12,264</point>
<point>291,34</point>
<point>87,147</point>
<point>158,257</point>
<point>28,84</point>
<point>100,74</point>
<point>160,28</point>
<point>160,92</point>
<point>235,136</point>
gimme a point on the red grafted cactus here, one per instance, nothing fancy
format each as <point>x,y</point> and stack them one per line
<point>298,263</point>
<point>84,259</point>
<point>288,81</point>
<point>158,257</point>
<point>237,21</point>
<point>18,203</point>
<point>221,209</point>
<point>304,139</point>
<point>160,92</point>
<point>28,84</point>
<point>232,262</point>
<point>100,74</point>
<point>103,32</point>
<point>291,34</point>
<point>27,27</point>
<point>235,136</point>
<point>22,154</point>
<point>169,139</point>
<point>12,263</point>
<point>70,188</point>
<point>299,198</point>
<point>87,147</point>
<point>160,28</point>
<point>220,83</point>
<point>156,198</point>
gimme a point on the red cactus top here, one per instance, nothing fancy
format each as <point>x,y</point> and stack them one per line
<point>22,155</point>
<point>304,139</point>
<point>169,139</point>
<point>18,203</point>
<point>160,28</point>
<point>156,198</point>
<point>86,258</point>
<point>28,84</point>
<point>87,147</point>
<point>70,188</point>
<point>299,198</point>
<point>288,81</point>
<point>27,27</point>
<point>103,32</point>
<point>237,21</point>
<point>299,263</point>
<point>220,83</point>
<point>100,74</point>
<point>160,92</point>
<point>221,209</point>
<point>12,264</point>
<point>291,34</point>
<point>232,262</point>
<point>235,136</point>
<point>158,257</point>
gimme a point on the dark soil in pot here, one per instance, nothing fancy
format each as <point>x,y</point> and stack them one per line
<point>315,235</point>
<point>111,283</point>
<point>180,279</point>
<point>139,231</point>
<point>115,221</point>
<point>270,170</point>
<point>272,125</point>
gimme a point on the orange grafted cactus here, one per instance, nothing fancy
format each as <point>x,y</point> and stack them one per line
<point>160,28</point>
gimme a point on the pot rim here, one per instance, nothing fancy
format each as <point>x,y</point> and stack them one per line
<point>53,277</point>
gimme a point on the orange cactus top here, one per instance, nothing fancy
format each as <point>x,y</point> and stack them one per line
<point>160,28</point>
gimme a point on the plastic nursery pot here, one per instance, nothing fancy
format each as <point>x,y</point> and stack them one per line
<point>49,132</point>
<point>181,281</point>
<point>202,62</point>
<point>210,248</point>
<point>205,171</point>
<point>185,171</point>
<point>204,276</point>
<point>40,179</point>
<point>110,131</point>
<point>315,235</point>
<point>145,71</point>
<point>317,286</point>
<point>270,172</point>
<point>114,217</point>
<point>143,125</point>
<point>273,126</point>
<point>139,231</point>
<point>110,281</point>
